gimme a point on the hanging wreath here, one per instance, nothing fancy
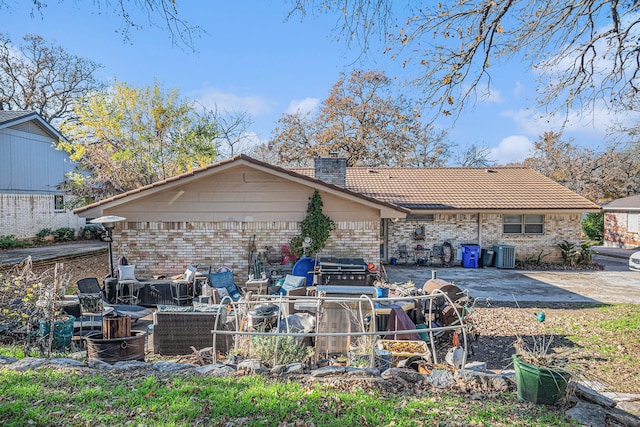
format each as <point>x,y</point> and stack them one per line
<point>418,234</point>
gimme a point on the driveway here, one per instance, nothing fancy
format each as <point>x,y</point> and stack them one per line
<point>615,284</point>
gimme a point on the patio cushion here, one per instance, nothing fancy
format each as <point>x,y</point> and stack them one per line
<point>126,272</point>
<point>292,282</point>
<point>225,280</point>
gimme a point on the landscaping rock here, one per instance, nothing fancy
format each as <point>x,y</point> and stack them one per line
<point>130,365</point>
<point>441,378</point>
<point>468,379</point>
<point>328,370</point>
<point>362,372</point>
<point>295,368</point>
<point>408,375</point>
<point>172,366</point>
<point>100,365</point>
<point>64,361</point>
<point>6,360</point>
<point>588,414</point>
<point>27,363</point>
<point>585,393</point>
<point>476,366</point>
<point>251,366</point>
<point>217,370</point>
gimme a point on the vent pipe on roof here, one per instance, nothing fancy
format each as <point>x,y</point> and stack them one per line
<point>332,170</point>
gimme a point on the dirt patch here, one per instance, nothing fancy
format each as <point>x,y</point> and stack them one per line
<point>592,339</point>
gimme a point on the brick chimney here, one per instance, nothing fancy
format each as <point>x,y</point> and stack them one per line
<point>331,169</point>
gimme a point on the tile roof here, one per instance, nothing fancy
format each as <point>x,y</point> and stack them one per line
<point>496,188</point>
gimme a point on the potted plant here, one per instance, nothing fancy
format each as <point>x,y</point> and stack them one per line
<point>541,374</point>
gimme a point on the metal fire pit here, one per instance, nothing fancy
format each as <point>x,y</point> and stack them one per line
<point>116,349</point>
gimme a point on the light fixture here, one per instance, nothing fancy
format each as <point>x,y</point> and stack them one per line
<point>108,223</point>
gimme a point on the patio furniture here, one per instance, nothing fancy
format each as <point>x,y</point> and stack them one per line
<point>128,287</point>
<point>224,284</point>
<point>404,253</point>
<point>90,285</point>
<point>292,286</point>
<point>185,289</point>
<point>91,303</point>
<point>174,333</point>
<point>91,306</point>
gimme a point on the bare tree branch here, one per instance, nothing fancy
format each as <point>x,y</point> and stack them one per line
<point>583,50</point>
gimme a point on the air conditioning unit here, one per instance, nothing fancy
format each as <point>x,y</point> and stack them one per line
<point>505,256</point>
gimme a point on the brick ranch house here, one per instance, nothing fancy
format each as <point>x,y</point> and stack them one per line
<point>622,223</point>
<point>210,214</point>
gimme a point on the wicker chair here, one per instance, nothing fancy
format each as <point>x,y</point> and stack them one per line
<point>174,333</point>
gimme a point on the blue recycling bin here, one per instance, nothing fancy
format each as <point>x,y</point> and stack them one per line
<point>470,256</point>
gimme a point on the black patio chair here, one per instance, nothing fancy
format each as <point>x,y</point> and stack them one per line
<point>91,285</point>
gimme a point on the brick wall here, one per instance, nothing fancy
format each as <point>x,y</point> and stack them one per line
<point>168,247</point>
<point>615,231</point>
<point>24,215</point>
<point>459,229</point>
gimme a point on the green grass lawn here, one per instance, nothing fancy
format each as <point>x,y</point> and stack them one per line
<point>56,397</point>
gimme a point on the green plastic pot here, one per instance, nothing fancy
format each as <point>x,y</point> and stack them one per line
<point>539,385</point>
<point>62,330</point>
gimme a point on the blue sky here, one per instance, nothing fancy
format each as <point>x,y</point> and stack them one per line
<point>252,59</point>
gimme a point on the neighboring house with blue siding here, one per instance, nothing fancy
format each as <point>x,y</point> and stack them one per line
<point>31,171</point>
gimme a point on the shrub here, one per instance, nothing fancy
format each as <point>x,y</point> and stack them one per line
<point>288,351</point>
<point>64,234</point>
<point>7,242</point>
<point>593,226</point>
<point>43,233</point>
<point>90,232</point>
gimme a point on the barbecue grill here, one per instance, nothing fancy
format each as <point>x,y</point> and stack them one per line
<point>342,272</point>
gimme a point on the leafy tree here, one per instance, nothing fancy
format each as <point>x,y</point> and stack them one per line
<point>134,15</point>
<point>41,76</point>
<point>593,226</point>
<point>128,137</point>
<point>316,225</point>
<point>584,50</point>
<point>363,121</point>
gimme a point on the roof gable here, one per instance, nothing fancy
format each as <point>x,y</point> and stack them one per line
<point>9,119</point>
<point>388,209</point>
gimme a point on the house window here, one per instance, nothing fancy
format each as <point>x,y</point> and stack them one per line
<point>632,222</point>
<point>420,217</point>
<point>523,224</point>
<point>58,202</point>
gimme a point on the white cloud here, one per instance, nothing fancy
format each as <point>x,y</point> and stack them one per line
<point>491,95</point>
<point>518,89</point>
<point>513,148</point>
<point>225,101</point>
<point>591,124</point>
<point>305,106</point>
